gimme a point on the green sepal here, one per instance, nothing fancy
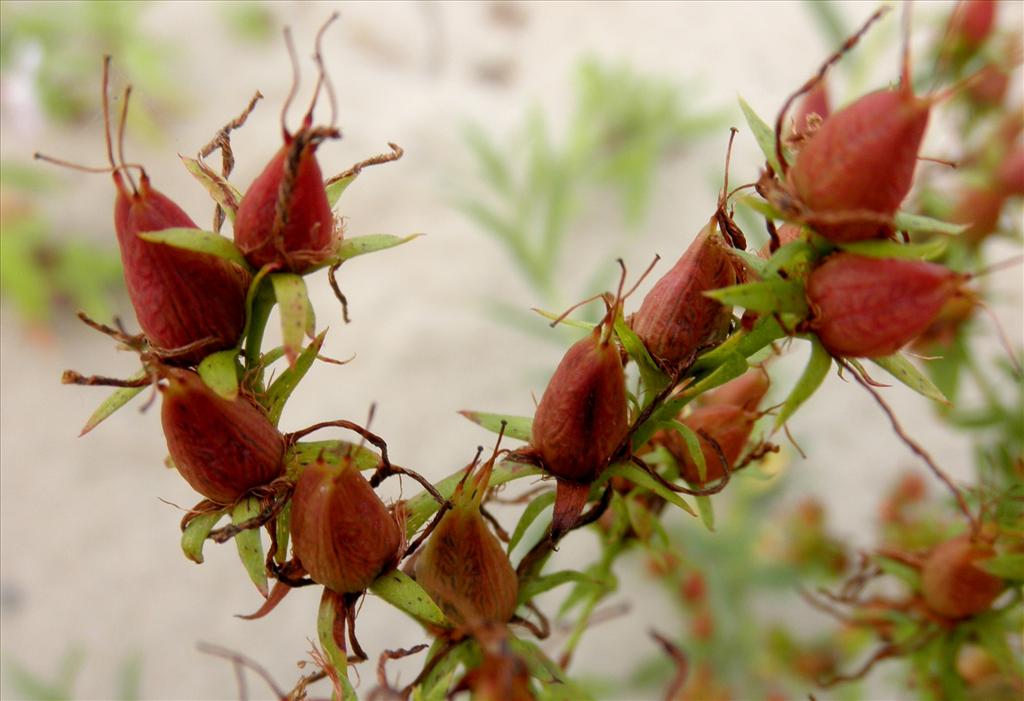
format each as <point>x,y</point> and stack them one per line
<point>692,441</point>
<point>634,474</point>
<point>910,576</point>
<point>335,189</point>
<point>402,592</point>
<point>770,295</point>
<point>792,257</point>
<point>194,536</point>
<point>249,543</point>
<point>259,302</point>
<point>371,243</point>
<point>296,312</point>
<point>762,207</point>
<point>743,343</point>
<point>198,241</point>
<point>220,373</point>
<point>117,399</point>
<point>1008,566</point>
<point>335,654</point>
<point>755,263</point>
<point>551,676</point>
<point>813,375</point>
<point>283,532</point>
<point>530,514</point>
<point>332,452</point>
<point>421,507</point>
<point>920,224</point>
<point>650,374</point>
<point>282,388</point>
<point>223,193</point>
<point>518,427</point>
<point>538,586</point>
<point>707,512</point>
<point>900,367</point>
<point>929,250</point>
<point>763,134</point>
<point>436,685</point>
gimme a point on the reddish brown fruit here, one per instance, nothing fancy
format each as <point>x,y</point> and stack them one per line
<point>694,588</point>
<point>342,533</point>
<point>871,307</point>
<point>501,676</point>
<point>952,583</point>
<point>1010,175</point>
<point>746,391</point>
<point>582,417</point>
<point>676,321</point>
<point>188,304</point>
<point>853,173</point>
<point>223,448</point>
<point>728,425</point>
<point>463,566</point>
<point>972,22</point>
<point>979,208</point>
<point>989,86</point>
<point>943,330</point>
<point>284,217</point>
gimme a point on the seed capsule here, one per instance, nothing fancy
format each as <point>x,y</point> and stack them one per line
<point>728,425</point>
<point>342,533</point>
<point>953,585</point>
<point>223,448</point>
<point>852,174</point>
<point>746,391</point>
<point>675,320</point>
<point>871,307</point>
<point>463,566</point>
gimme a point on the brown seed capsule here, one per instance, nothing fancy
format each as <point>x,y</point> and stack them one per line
<point>675,320</point>
<point>952,583</point>
<point>746,391</point>
<point>342,533</point>
<point>871,307</point>
<point>463,566</point>
<point>222,447</point>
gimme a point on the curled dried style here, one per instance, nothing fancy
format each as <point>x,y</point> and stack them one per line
<point>188,304</point>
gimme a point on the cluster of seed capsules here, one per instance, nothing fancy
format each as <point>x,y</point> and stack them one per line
<point>835,180</point>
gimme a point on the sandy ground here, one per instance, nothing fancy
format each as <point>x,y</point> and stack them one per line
<point>90,555</point>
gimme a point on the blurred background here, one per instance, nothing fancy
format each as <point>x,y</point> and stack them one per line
<point>541,142</point>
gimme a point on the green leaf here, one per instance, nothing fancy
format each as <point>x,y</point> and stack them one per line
<point>336,657</point>
<point>757,264</point>
<point>285,384</point>
<point>791,257</point>
<point>929,250</point>
<point>223,193</point>
<point>361,245</point>
<point>919,224</point>
<point>707,512</point>
<point>250,546</point>
<point>742,343</point>
<point>813,375</point>
<point>117,399</point>
<point>640,478</point>
<point>194,535</point>
<point>763,134</point>
<point>567,321</point>
<point>762,207</point>
<point>771,295</point>
<point>220,374</point>
<point>439,680</point>
<point>1008,566</point>
<point>538,586</point>
<point>335,189</point>
<point>402,592</point>
<point>293,301</point>
<point>333,452</point>
<point>518,427</point>
<point>199,241</point>
<point>283,529</point>
<point>900,367</point>
<point>650,374</point>
<point>530,514</point>
<point>910,576</point>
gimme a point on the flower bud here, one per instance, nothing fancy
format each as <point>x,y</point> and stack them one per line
<point>183,299</point>
<point>463,566</point>
<point>223,448</point>
<point>871,307</point>
<point>953,585</point>
<point>675,320</point>
<point>342,533</point>
<point>285,217</point>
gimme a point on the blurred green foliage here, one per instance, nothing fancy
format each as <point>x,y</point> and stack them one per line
<point>60,686</point>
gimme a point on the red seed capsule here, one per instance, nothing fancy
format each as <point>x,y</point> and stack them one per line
<point>463,566</point>
<point>188,304</point>
<point>342,533</point>
<point>972,22</point>
<point>1010,176</point>
<point>853,173</point>
<point>676,321</point>
<point>871,307</point>
<point>745,392</point>
<point>979,208</point>
<point>728,425</point>
<point>223,448</point>
<point>952,583</point>
<point>284,217</point>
